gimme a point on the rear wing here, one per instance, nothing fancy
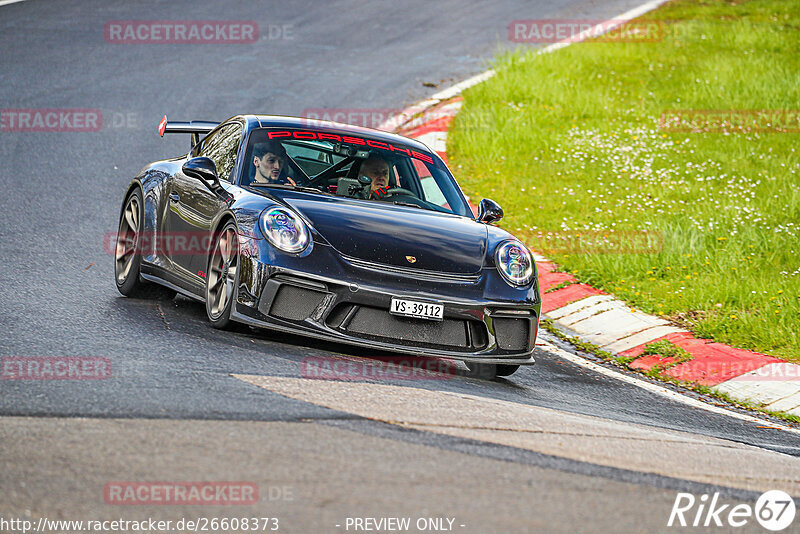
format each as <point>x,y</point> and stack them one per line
<point>198,129</point>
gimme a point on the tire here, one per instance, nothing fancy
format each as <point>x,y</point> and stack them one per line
<point>486,371</point>
<point>127,256</point>
<point>490,371</point>
<point>221,277</point>
<point>506,369</point>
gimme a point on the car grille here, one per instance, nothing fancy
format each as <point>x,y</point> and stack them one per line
<point>378,324</point>
<point>417,274</point>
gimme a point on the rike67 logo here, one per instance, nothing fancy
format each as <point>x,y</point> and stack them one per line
<point>774,510</point>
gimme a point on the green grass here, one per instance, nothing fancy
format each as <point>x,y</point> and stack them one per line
<point>666,350</point>
<point>570,143</point>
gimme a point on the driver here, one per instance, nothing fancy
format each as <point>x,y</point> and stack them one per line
<point>377,170</point>
<point>269,160</point>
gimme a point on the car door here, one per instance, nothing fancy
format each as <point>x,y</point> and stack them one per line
<point>193,206</point>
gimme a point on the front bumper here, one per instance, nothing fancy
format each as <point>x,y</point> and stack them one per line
<point>326,296</point>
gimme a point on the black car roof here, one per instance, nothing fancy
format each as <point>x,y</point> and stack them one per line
<point>299,123</point>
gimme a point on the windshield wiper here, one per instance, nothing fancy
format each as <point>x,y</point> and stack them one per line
<point>292,187</point>
<point>401,203</point>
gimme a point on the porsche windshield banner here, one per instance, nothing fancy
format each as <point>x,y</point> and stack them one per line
<point>323,136</point>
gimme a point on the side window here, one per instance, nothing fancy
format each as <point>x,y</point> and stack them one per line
<point>429,187</point>
<point>221,147</point>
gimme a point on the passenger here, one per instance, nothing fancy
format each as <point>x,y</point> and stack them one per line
<point>269,160</point>
<point>377,170</point>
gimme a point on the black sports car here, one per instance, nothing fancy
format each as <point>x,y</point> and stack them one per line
<point>332,231</point>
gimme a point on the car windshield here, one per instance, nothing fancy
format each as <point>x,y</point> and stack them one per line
<point>355,167</point>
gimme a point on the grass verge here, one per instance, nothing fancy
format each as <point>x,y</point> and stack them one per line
<point>577,157</point>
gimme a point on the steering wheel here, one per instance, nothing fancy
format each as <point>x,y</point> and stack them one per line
<point>400,191</point>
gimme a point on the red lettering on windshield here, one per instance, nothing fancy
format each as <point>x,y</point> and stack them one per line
<point>321,136</point>
<point>423,157</point>
<point>352,140</point>
<point>398,149</point>
<point>328,137</point>
<point>377,144</point>
<point>305,135</point>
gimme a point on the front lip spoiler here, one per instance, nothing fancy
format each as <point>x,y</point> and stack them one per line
<point>526,359</point>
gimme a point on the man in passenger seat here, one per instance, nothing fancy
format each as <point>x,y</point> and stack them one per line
<point>270,162</point>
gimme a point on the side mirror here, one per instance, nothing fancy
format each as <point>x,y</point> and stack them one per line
<point>489,211</point>
<point>203,169</point>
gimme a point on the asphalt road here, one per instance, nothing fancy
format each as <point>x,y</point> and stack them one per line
<point>177,407</point>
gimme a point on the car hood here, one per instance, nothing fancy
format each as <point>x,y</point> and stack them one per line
<point>389,234</point>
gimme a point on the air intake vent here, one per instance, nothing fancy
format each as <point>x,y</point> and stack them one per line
<point>512,334</point>
<point>295,303</point>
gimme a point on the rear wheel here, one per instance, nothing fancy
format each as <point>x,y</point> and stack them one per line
<point>128,255</point>
<point>221,277</point>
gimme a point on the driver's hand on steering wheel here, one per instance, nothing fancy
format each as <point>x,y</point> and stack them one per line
<point>380,193</point>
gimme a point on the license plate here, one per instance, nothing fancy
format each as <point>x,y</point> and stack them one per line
<point>419,310</point>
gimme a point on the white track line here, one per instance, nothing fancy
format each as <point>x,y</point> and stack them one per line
<point>455,90</point>
<point>599,29</point>
<point>655,388</point>
<point>604,27</point>
<point>6,2</point>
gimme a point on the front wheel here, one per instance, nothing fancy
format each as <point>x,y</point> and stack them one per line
<point>505,369</point>
<point>221,277</point>
<point>490,371</point>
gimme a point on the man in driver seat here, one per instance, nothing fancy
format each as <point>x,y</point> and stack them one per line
<point>377,170</point>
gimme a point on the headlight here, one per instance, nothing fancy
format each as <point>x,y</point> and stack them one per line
<point>285,230</point>
<point>514,262</point>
